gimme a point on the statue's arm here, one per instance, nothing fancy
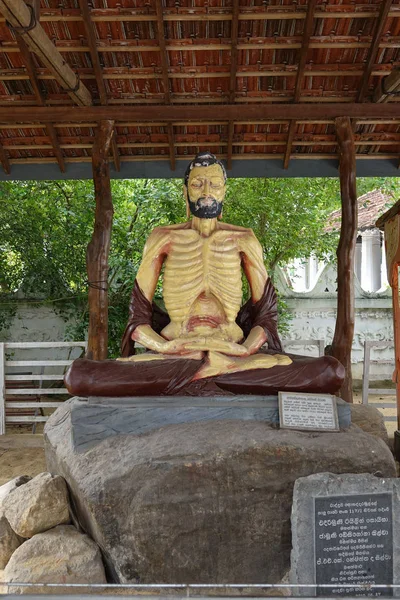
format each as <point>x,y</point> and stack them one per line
<point>256,273</point>
<point>154,254</point>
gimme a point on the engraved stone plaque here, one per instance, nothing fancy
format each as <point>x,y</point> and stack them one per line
<point>353,544</point>
<point>345,535</point>
<point>308,412</point>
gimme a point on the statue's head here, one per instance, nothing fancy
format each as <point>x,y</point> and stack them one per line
<point>205,184</point>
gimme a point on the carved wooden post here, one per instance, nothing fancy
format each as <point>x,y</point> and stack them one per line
<point>344,330</point>
<point>99,246</point>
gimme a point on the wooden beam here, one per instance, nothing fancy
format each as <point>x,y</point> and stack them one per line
<point>115,153</point>
<point>307,32</point>
<point>387,86</point>
<point>310,111</point>
<point>242,157</point>
<point>99,246</point>
<point>289,144</point>
<point>380,23</point>
<point>231,129</point>
<point>94,56</point>
<point>234,50</point>
<point>19,16</point>
<point>344,330</point>
<point>269,43</point>
<point>165,76</point>
<point>51,132</point>
<point>163,50</point>
<point>97,68</point>
<point>266,70</point>
<point>93,124</point>
<point>338,11</point>
<point>233,74</point>
<point>171,145</point>
<point>4,160</point>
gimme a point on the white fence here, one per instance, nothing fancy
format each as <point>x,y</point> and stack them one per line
<point>24,394</point>
<point>368,391</point>
<point>27,385</point>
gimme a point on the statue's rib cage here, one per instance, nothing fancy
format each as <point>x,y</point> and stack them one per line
<point>195,266</point>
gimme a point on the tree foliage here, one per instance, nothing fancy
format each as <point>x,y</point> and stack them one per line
<point>45,228</point>
<point>288,216</point>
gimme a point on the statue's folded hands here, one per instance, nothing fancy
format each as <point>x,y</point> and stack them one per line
<point>216,345</point>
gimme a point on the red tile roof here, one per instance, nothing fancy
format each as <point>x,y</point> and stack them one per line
<point>198,37</point>
<point>370,206</point>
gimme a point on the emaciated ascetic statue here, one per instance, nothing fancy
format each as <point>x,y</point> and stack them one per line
<point>206,343</point>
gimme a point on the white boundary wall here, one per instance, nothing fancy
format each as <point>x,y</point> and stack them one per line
<point>314,317</point>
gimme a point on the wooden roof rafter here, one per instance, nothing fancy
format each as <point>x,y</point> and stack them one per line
<point>233,74</point>
<point>165,77</point>
<point>191,71</point>
<point>110,73</point>
<point>374,48</point>
<point>308,29</point>
<point>51,132</point>
<point>344,11</point>
<point>19,16</point>
<point>91,39</point>
<point>311,111</point>
<point>372,55</point>
<point>266,43</point>
<point>4,160</point>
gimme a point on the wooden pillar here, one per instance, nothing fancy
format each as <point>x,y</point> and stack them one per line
<point>99,246</point>
<point>344,331</point>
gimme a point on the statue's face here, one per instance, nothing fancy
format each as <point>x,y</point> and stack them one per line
<point>206,191</point>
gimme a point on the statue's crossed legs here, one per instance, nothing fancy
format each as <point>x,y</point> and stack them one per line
<point>217,363</point>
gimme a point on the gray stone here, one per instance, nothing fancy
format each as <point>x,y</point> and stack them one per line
<point>42,503</point>
<point>344,488</point>
<point>9,542</point>
<point>99,418</point>
<point>60,555</point>
<point>200,502</point>
<point>10,486</point>
<point>370,420</point>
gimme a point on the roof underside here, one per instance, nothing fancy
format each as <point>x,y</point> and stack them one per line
<point>208,55</point>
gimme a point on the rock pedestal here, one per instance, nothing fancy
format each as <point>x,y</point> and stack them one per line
<point>202,502</point>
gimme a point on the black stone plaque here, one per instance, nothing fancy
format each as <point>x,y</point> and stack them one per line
<point>353,544</point>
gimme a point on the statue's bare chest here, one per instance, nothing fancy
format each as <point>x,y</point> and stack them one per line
<point>196,265</point>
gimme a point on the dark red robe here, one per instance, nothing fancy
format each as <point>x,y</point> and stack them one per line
<point>173,377</point>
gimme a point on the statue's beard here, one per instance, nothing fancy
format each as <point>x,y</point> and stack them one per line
<point>205,207</point>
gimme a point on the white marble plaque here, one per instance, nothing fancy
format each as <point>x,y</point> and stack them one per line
<point>308,412</point>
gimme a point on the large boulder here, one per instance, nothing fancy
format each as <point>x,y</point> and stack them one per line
<point>10,486</point>
<point>199,502</point>
<point>40,504</point>
<point>370,420</point>
<point>9,541</point>
<point>60,555</point>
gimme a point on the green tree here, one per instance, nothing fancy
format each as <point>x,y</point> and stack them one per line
<point>288,216</point>
<point>45,228</point>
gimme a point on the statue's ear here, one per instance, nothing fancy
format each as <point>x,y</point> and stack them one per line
<point>185,193</point>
